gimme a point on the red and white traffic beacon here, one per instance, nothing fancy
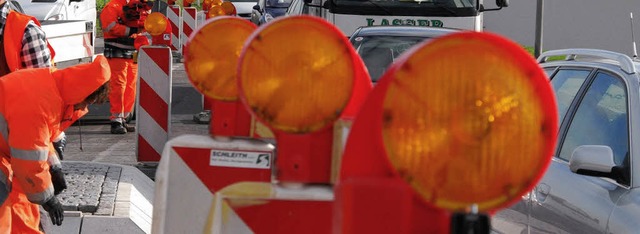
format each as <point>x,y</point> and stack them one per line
<point>297,75</point>
<point>194,167</point>
<point>455,130</point>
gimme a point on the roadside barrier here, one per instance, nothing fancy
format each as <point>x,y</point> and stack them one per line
<point>193,168</point>
<point>154,102</point>
<point>173,13</point>
<point>189,24</point>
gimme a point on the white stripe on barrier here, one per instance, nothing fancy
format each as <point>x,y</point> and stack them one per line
<point>173,14</point>
<point>151,131</point>
<point>201,16</point>
<point>188,25</point>
<point>154,101</point>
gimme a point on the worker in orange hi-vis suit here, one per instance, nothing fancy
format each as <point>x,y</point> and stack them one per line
<point>122,21</point>
<point>30,117</point>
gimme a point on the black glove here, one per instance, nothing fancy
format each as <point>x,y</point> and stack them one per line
<point>132,30</point>
<point>54,208</point>
<point>59,146</point>
<point>57,179</point>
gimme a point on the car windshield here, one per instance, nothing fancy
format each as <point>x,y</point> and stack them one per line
<point>278,3</point>
<point>378,52</point>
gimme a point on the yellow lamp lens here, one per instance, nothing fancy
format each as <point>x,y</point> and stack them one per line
<point>211,3</point>
<point>155,24</point>
<point>216,10</point>
<point>465,124</point>
<point>212,53</point>
<point>229,8</point>
<point>296,74</point>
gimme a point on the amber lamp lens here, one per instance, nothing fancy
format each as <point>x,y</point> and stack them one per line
<point>216,10</point>
<point>155,24</point>
<point>212,53</point>
<point>296,74</point>
<point>469,120</point>
<point>229,8</point>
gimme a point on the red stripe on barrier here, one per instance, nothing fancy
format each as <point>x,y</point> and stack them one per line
<point>153,104</point>
<point>146,152</point>
<point>215,177</point>
<point>159,56</point>
<point>187,30</point>
<point>174,28</point>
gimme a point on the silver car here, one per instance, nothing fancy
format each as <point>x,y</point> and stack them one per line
<point>379,46</point>
<point>591,185</point>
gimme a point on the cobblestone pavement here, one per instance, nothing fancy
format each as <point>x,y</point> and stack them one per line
<point>91,188</point>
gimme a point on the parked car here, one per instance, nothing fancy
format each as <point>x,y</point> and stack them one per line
<point>379,46</point>
<point>244,8</point>
<point>266,10</point>
<point>592,183</point>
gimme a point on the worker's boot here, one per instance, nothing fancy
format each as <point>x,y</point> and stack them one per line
<point>130,128</point>
<point>117,128</point>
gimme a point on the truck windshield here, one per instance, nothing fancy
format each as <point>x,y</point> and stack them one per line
<point>406,7</point>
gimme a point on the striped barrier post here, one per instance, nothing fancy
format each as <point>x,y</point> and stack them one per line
<point>189,24</point>
<point>194,168</point>
<point>153,113</point>
<point>201,16</point>
<point>173,13</point>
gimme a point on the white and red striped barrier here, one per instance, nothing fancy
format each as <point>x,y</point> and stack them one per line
<point>201,16</point>
<point>193,168</point>
<point>189,24</point>
<point>153,113</point>
<point>173,14</point>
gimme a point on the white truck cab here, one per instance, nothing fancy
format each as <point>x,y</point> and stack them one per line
<point>69,26</point>
<point>60,9</point>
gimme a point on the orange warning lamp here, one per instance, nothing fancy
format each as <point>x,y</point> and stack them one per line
<point>158,26</point>
<point>207,4</point>
<point>466,122</point>
<point>229,8</point>
<point>298,75</point>
<point>224,8</point>
<point>211,58</point>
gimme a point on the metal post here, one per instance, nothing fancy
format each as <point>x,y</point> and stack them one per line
<point>539,14</point>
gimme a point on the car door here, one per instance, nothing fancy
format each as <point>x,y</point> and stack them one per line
<point>593,111</point>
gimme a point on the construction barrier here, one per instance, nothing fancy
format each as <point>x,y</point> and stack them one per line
<point>173,13</point>
<point>189,24</point>
<point>193,168</point>
<point>154,102</point>
<point>201,16</point>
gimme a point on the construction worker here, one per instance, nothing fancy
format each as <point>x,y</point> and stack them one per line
<point>24,45</point>
<point>122,22</point>
<point>30,117</point>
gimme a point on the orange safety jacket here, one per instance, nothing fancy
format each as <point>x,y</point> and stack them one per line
<point>12,36</point>
<point>31,116</point>
<point>118,42</point>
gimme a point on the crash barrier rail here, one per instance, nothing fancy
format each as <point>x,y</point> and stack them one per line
<point>154,102</point>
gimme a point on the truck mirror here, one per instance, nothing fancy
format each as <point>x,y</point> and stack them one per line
<point>256,7</point>
<point>502,3</point>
